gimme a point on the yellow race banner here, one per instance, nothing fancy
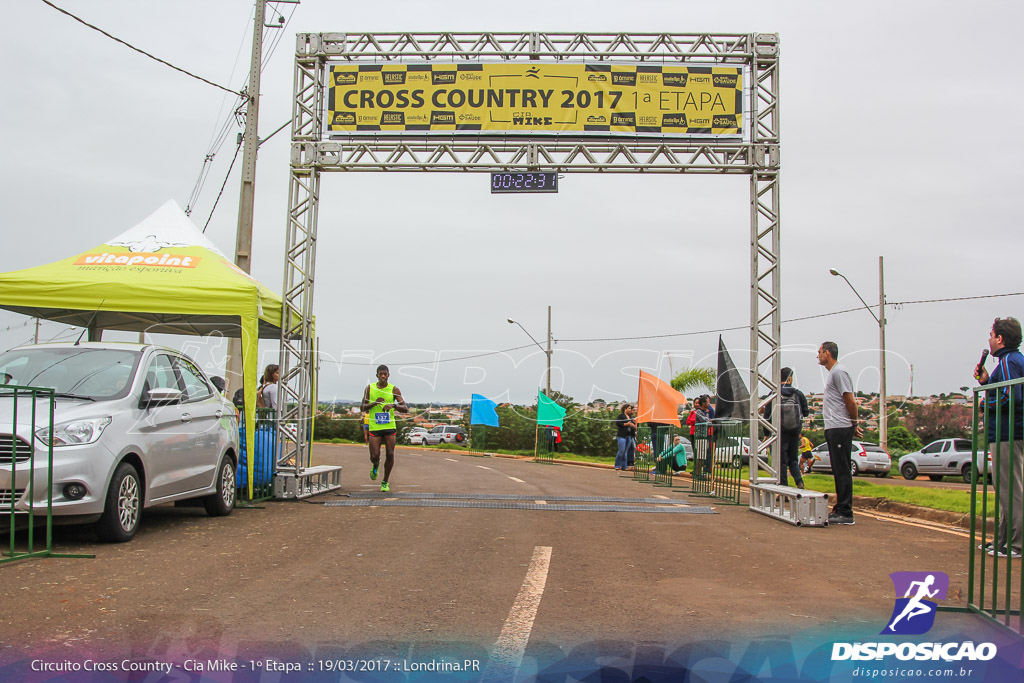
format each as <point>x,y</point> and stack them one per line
<point>536,98</point>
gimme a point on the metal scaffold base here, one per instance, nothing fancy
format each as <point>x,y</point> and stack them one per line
<point>307,482</point>
<point>793,505</point>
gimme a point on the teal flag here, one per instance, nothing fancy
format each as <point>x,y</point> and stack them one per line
<point>481,411</point>
<point>549,412</point>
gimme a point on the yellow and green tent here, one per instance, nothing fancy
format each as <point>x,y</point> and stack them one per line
<point>163,276</point>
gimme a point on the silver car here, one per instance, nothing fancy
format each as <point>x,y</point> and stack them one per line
<point>938,459</point>
<point>134,426</point>
<point>864,458</point>
<point>444,434</point>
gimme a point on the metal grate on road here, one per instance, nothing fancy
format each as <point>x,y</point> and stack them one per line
<point>665,507</point>
<point>516,496</point>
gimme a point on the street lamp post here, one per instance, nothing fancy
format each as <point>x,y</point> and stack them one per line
<point>547,351</point>
<point>883,417</point>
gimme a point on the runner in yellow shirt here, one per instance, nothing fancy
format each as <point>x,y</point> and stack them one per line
<point>380,401</point>
<point>805,454</point>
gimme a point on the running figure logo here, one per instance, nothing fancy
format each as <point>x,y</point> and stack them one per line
<point>914,613</point>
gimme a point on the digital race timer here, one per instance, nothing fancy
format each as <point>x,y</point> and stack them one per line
<point>503,183</point>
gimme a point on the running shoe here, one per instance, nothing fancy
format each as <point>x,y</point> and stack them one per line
<point>1002,552</point>
<point>384,488</point>
<point>373,473</point>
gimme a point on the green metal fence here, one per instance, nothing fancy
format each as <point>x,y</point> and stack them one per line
<point>26,458</point>
<point>996,581</point>
<point>663,474</point>
<point>544,452</point>
<point>718,460</point>
<point>643,460</point>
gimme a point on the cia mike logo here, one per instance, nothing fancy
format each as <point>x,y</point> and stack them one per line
<point>914,613</point>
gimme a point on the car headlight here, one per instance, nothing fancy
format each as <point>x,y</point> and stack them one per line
<point>75,433</point>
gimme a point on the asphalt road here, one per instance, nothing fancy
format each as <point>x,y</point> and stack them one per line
<point>301,580</point>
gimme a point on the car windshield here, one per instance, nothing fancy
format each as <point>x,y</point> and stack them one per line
<point>73,371</point>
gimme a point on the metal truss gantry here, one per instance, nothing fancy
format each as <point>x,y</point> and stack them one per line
<point>756,155</point>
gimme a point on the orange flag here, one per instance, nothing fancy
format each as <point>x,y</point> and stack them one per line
<point>658,401</point>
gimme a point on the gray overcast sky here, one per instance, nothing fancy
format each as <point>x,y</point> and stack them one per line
<point>899,138</point>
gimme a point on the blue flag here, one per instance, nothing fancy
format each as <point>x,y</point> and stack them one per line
<point>481,411</point>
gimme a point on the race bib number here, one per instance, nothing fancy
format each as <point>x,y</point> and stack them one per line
<point>382,418</point>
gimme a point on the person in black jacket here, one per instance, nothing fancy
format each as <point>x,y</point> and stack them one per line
<point>794,410</point>
<point>625,434</point>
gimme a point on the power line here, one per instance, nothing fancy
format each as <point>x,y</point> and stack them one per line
<point>955,298</point>
<point>793,320</point>
<point>430,362</point>
<point>222,186</point>
<point>143,52</point>
<point>686,334</point>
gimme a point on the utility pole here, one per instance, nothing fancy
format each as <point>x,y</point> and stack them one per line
<point>549,352</point>
<point>883,411</point>
<point>35,339</point>
<point>247,196</point>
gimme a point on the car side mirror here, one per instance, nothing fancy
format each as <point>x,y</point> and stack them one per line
<point>161,397</point>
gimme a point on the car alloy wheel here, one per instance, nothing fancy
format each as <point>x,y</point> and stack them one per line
<point>222,501</point>
<point>128,503</point>
<point>122,510</point>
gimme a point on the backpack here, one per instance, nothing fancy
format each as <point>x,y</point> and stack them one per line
<point>792,420</point>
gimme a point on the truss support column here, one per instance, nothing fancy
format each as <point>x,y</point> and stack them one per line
<point>296,390</point>
<point>765,282</point>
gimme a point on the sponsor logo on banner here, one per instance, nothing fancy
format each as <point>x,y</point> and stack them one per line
<point>394,78</point>
<point>675,80</point>
<point>624,119</point>
<point>596,119</point>
<point>673,121</point>
<point>623,79</point>
<point>725,80</point>
<point>914,614</point>
<point>597,77</point>
<point>724,121</point>
<point>443,77</point>
<point>442,118</point>
<point>392,118</point>
<point>346,78</point>
<point>344,118</point>
<point>151,260</point>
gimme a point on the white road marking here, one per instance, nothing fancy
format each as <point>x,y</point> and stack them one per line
<point>519,480</point>
<point>483,468</point>
<point>451,460</point>
<point>507,653</point>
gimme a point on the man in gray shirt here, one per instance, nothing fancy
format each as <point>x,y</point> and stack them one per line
<point>840,413</point>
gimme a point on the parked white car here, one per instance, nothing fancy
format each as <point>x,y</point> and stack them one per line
<point>414,435</point>
<point>865,458</point>
<point>134,426</point>
<point>940,458</point>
